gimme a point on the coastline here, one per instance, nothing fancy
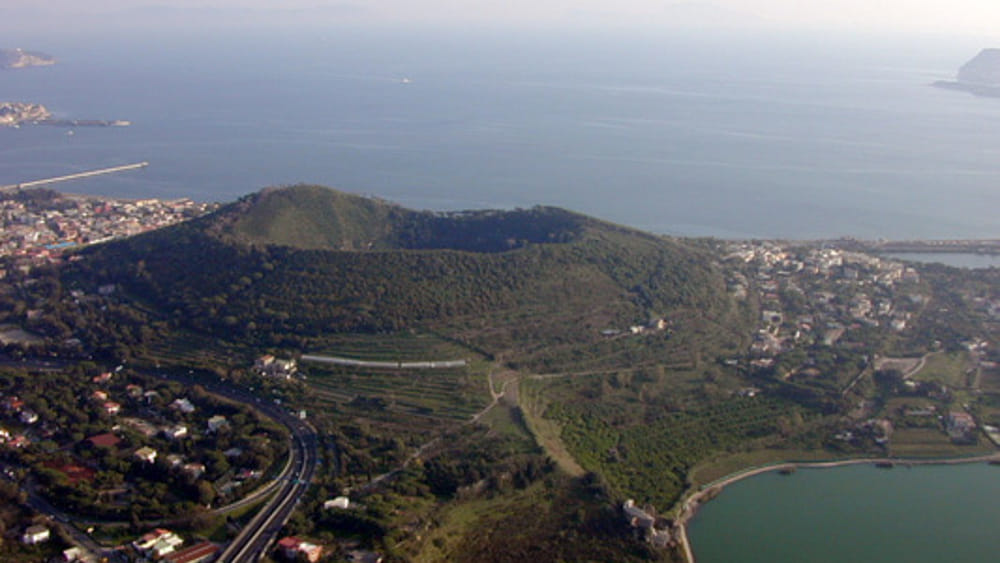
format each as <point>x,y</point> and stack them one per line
<point>690,505</point>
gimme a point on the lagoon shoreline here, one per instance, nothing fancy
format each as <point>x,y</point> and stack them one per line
<point>690,505</point>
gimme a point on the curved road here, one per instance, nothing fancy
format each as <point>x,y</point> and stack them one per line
<point>257,536</point>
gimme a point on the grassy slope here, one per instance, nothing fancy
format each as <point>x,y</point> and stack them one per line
<point>310,217</point>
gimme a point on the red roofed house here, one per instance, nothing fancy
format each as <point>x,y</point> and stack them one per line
<point>107,440</point>
<point>292,546</point>
<point>103,378</point>
<point>197,553</point>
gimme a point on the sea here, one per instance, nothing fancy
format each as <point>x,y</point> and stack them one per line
<point>736,135</point>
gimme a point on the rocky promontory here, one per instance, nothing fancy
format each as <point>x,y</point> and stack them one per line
<point>979,76</point>
<point>19,58</point>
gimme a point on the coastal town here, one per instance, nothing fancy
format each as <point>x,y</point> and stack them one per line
<point>828,314</point>
<point>38,226</point>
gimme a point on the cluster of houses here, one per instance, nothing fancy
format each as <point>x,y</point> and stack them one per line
<point>14,407</point>
<point>164,545</point>
<point>138,413</point>
<point>38,230</point>
<point>643,520</point>
<point>839,289</point>
<point>172,431</point>
<point>271,366</point>
<point>291,548</point>
<point>654,325</point>
<point>961,427</point>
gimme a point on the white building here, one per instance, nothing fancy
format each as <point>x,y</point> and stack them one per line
<point>35,534</point>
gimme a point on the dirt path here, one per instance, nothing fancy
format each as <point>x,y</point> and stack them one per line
<point>505,378</point>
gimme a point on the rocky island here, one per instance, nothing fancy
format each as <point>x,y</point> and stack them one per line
<point>19,58</point>
<point>979,76</point>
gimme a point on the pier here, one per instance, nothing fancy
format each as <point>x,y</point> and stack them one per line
<point>76,176</point>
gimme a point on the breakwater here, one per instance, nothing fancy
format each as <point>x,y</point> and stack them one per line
<point>75,176</point>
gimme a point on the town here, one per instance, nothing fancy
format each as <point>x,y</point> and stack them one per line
<point>828,316</point>
<point>39,225</point>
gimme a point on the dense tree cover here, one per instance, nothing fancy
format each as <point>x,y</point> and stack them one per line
<point>671,442</point>
<point>564,279</point>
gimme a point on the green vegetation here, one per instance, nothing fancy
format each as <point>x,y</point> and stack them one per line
<point>541,303</point>
<point>78,471</point>
<point>602,364</point>
<point>671,442</point>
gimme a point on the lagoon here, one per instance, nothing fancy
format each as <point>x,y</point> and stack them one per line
<point>854,513</point>
<point>954,259</point>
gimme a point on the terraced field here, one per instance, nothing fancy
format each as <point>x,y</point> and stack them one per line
<point>435,394</point>
<point>191,349</point>
<point>451,394</point>
<point>391,347</point>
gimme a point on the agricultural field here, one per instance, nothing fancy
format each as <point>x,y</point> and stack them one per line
<point>443,394</point>
<point>989,380</point>
<point>402,346</point>
<point>933,442</point>
<point>945,368</point>
<point>451,394</point>
<point>189,349</point>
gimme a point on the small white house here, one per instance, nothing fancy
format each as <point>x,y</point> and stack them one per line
<point>35,534</point>
<point>339,502</point>
<point>217,422</point>
<point>146,454</point>
<point>175,432</point>
<point>182,405</point>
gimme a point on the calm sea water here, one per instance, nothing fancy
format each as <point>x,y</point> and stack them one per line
<point>860,513</point>
<point>682,134</point>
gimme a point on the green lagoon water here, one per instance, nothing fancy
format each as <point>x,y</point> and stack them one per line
<point>855,513</point>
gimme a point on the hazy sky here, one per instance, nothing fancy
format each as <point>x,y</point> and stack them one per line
<point>935,16</point>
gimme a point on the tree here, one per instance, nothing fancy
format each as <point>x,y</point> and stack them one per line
<point>206,493</point>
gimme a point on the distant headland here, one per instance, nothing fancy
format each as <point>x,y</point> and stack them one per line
<point>19,58</point>
<point>979,76</point>
<point>13,114</point>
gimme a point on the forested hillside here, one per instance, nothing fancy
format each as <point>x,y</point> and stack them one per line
<point>273,269</point>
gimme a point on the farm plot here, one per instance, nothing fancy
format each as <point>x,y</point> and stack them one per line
<point>449,394</point>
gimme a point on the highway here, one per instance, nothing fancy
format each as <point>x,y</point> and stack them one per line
<point>257,536</point>
<point>293,481</point>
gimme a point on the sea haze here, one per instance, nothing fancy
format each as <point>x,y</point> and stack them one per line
<point>798,137</point>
